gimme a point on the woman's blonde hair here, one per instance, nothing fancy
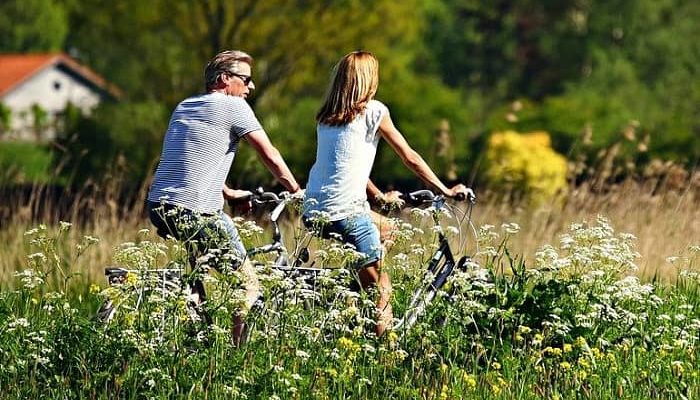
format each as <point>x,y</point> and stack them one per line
<point>354,84</point>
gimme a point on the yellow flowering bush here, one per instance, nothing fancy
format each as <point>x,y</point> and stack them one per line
<point>525,165</point>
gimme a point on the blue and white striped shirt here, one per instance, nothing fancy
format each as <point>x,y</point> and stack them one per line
<point>198,150</point>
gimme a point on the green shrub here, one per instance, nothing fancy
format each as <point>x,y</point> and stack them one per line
<point>22,162</point>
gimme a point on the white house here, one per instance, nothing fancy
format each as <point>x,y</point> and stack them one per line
<point>41,85</point>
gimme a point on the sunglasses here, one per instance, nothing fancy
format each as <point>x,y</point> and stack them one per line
<point>245,78</point>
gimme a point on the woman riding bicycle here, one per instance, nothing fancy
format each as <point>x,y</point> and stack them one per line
<point>350,124</point>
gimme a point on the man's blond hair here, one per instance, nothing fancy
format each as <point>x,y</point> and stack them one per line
<point>224,62</point>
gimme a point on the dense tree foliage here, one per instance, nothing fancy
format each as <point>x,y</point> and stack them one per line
<point>468,68</point>
<point>32,25</point>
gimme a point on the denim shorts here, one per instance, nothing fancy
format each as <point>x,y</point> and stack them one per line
<point>357,230</point>
<point>209,231</point>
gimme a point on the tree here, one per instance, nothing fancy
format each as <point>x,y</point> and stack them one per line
<point>157,50</point>
<point>32,25</point>
<point>598,64</point>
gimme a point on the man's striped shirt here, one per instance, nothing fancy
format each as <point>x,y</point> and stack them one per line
<point>198,149</point>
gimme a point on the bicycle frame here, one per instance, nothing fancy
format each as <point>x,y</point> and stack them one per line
<point>440,267</point>
<point>169,281</point>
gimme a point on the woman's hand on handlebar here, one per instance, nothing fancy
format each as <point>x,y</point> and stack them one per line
<point>461,192</point>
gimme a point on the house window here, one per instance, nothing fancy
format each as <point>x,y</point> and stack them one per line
<point>57,85</point>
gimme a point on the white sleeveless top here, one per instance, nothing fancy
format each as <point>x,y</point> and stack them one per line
<point>344,157</point>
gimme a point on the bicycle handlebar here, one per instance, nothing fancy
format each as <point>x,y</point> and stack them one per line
<point>418,197</point>
<point>427,196</point>
<point>261,197</point>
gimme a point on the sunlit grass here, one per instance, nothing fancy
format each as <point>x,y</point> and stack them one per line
<point>561,304</point>
<point>569,319</point>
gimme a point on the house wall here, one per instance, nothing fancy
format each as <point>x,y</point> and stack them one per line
<point>51,89</point>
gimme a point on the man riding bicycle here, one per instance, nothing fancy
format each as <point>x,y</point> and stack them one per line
<point>187,194</point>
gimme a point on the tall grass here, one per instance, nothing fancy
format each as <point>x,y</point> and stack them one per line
<point>574,323</point>
<point>99,210</point>
<point>665,221</point>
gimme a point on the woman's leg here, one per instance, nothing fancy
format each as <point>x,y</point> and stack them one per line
<point>372,276</point>
<point>386,227</point>
<point>360,231</point>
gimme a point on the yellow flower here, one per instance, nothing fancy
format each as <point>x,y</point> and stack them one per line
<point>443,392</point>
<point>583,363</point>
<point>345,343</point>
<point>581,342</point>
<point>495,389</point>
<point>94,288</point>
<point>565,365</point>
<point>393,337</point>
<point>469,380</point>
<point>555,351</point>
<point>567,348</point>
<point>496,365</point>
<point>526,163</point>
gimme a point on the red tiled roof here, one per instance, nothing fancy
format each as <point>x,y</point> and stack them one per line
<point>16,68</point>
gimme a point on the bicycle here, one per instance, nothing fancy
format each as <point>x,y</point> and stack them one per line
<point>169,281</point>
<point>441,265</point>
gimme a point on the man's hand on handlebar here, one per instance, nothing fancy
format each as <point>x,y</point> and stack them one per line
<point>239,200</point>
<point>298,195</point>
<point>391,199</point>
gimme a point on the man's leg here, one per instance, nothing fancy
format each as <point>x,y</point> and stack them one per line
<point>249,280</point>
<point>251,285</point>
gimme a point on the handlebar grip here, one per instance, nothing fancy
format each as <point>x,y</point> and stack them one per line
<point>469,196</point>
<point>268,196</point>
<point>418,196</point>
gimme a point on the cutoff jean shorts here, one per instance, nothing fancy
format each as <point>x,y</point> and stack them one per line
<point>357,230</point>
